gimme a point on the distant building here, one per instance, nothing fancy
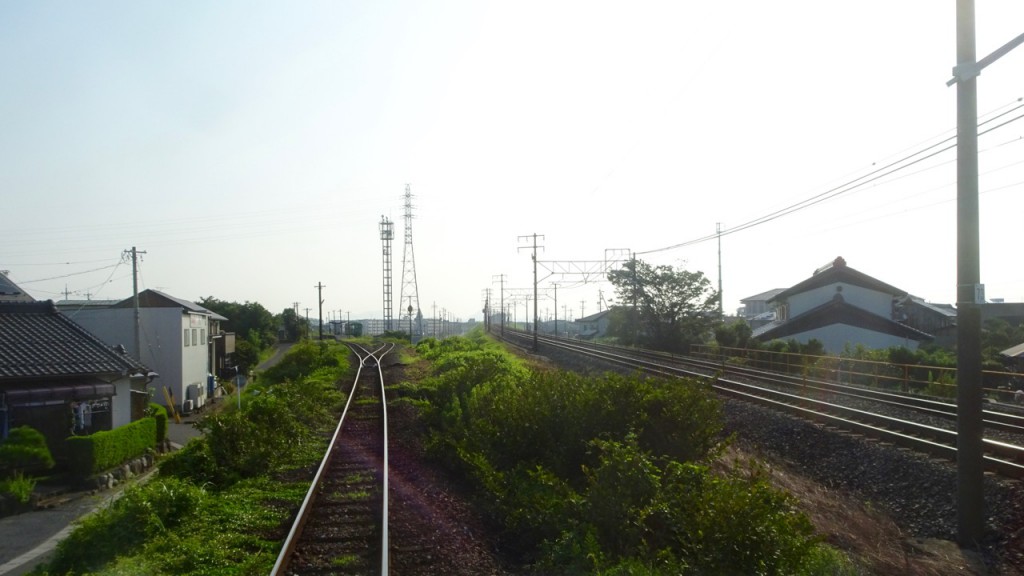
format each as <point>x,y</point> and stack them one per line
<point>593,326</point>
<point>840,306</point>
<point>757,305</point>
<point>11,292</point>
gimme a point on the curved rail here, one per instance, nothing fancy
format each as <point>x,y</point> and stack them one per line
<point>366,358</point>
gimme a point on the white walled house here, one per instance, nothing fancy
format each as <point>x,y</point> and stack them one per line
<point>175,335</point>
<point>840,306</point>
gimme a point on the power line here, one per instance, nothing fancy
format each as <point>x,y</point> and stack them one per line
<point>893,167</point>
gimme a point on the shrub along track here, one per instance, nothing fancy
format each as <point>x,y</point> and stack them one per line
<point>893,509</point>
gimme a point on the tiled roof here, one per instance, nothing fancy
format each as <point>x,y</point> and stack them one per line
<point>37,341</point>
<point>837,311</point>
<point>838,272</point>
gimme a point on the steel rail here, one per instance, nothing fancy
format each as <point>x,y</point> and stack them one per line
<point>1007,457</point>
<point>288,547</point>
<point>992,419</point>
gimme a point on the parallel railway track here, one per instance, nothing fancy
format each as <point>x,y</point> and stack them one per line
<point>824,402</point>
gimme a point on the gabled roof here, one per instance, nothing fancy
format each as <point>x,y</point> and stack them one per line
<point>593,317</point>
<point>155,299</point>
<point>11,292</point>
<point>1014,351</point>
<point>763,296</point>
<point>834,273</point>
<point>37,341</point>
<point>837,311</point>
<point>942,309</point>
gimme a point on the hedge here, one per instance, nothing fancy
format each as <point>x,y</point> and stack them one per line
<point>110,448</point>
<point>160,413</point>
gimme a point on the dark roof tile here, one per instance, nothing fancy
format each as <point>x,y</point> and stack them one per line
<point>37,341</point>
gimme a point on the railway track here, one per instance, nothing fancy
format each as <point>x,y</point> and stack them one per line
<point>852,409</point>
<point>342,524</point>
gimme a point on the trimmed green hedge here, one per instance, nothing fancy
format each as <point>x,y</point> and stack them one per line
<point>160,414</point>
<point>110,448</point>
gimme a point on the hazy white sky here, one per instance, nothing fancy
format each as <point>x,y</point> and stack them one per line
<point>251,148</point>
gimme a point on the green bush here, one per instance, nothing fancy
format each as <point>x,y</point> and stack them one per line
<point>140,514</point>
<point>307,357</point>
<point>109,448</point>
<point>159,413</point>
<point>606,475</point>
<point>24,450</point>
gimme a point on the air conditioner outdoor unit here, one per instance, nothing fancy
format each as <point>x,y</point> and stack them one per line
<point>188,407</point>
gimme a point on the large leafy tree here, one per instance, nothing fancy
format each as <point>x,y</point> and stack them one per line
<point>662,307</point>
<point>294,326</point>
<point>250,321</point>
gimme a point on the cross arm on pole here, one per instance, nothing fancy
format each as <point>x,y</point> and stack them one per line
<point>968,70</point>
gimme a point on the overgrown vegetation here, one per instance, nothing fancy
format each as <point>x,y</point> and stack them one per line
<point>23,454</point>
<point>219,504</point>
<point>606,475</point>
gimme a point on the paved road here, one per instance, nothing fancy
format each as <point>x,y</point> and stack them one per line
<point>29,539</point>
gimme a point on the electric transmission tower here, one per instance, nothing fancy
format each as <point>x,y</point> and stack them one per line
<point>409,301</point>
<point>387,234</point>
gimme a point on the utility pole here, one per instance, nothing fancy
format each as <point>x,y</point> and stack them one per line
<point>583,308</point>
<point>533,256</point>
<point>555,284</point>
<point>501,280</point>
<point>320,312</point>
<point>135,300</point>
<point>718,231</point>
<point>970,291</point>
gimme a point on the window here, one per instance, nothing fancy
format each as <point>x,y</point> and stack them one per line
<point>202,336</point>
<point>186,336</point>
<point>193,336</point>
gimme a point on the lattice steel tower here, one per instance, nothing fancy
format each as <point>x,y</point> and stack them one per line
<point>387,234</point>
<point>409,302</point>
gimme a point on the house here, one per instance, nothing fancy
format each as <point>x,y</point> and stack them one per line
<point>593,326</point>
<point>59,378</point>
<point>840,306</point>
<point>11,292</point>
<point>179,339</point>
<point>939,320</point>
<point>757,305</point>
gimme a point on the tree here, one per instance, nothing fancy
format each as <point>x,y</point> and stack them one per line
<point>294,327</point>
<point>664,308</point>
<point>249,321</point>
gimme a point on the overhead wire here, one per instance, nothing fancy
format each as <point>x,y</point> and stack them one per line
<point>893,167</point>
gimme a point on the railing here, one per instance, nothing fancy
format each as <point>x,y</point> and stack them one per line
<point>931,380</point>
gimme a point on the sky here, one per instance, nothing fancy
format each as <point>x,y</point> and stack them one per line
<point>250,150</point>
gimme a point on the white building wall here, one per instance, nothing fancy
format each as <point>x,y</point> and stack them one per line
<point>194,358</point>
<point>161,336</point>
<point>121,403</point>
<point>837,336</point>
<point>878,303</point>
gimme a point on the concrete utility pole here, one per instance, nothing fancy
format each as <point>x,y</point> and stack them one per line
<point>320,312</point>
<point>718,231</point>
<point>501,281</point>
<point>970,291</point>
<point>555,284</point>
<point>135,301</point>
<point>533,256</point>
